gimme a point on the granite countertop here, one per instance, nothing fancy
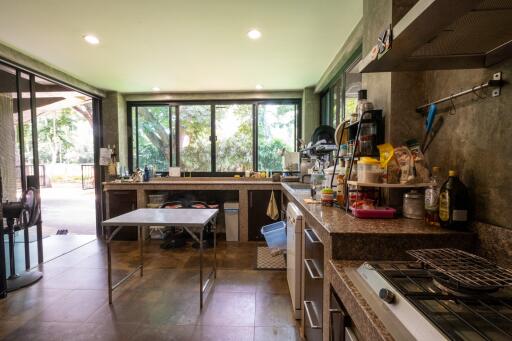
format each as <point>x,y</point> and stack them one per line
<point>196,181</point>
<point>335,220</point>
<point>368,324</point>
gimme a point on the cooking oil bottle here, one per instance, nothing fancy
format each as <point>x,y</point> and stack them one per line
<point>453,203</point>
<point>432,198</point>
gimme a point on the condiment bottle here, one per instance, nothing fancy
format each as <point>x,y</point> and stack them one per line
<point>453,203</point>
<point>363,104</point>
<point>432,198</point>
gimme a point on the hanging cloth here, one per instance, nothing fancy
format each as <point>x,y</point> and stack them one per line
<point>272,210</point>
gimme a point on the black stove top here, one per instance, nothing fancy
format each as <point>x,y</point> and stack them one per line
<point>459,314</point>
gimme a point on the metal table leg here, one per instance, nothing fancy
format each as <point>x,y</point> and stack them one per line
<point>141,249</point>
<point>111,286</point>
<point>201,270</point>
<point>109,265</point>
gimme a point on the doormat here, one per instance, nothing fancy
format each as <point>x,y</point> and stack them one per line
<point>266,261</point>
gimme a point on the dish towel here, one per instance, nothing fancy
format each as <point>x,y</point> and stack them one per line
<point>272,210</point>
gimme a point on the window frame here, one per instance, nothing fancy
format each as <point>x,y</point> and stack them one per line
<point>174,143</point>
<point>338,84</point>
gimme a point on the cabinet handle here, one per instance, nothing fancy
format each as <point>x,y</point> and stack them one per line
<point>307,262</point>
<point>312,236</point>
<point>308,315</point>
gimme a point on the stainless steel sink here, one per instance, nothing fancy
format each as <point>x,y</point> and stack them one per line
<point>298,186</point>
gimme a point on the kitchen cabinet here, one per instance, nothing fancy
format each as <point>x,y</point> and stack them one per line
<point>120,202</point>
<point>313,285</point>
<point>340,325</point>
<point>258,204</point>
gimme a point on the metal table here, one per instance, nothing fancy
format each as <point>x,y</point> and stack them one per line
<point>192,220</point>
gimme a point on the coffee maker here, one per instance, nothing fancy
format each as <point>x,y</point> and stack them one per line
<point>369,133</point>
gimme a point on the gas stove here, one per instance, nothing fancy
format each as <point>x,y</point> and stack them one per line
<point>446,295</point>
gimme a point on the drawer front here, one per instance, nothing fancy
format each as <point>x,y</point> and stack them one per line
<point>314,248</point>
<point>312,324</point>
<point>313,266</point>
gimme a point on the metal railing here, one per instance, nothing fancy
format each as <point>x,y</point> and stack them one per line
<point>87,176</point>
<point>29,170</point>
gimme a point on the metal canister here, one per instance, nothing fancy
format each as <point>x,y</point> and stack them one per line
<point>414,205</point>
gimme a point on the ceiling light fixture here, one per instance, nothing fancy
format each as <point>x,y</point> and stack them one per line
<point>156,88</point>
<point>259,87</point>
<point>93,40</point>
<point>254,34</point>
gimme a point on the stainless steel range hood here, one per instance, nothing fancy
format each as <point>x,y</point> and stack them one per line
<point>447,34</point>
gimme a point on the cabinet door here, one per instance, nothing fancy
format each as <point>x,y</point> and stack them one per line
<point>258,203</point>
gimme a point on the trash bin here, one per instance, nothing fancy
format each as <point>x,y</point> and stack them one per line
<point>231,217</point>
<point>275,235</point>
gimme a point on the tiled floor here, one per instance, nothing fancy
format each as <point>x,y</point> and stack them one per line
<point>70,302</point>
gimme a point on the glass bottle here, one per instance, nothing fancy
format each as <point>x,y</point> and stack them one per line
<point>432,198</point>
<point>453,203</point>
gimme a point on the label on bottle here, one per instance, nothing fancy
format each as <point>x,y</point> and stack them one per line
<point>460,215</point>
<point>431,199</point>
<point>444,206</point>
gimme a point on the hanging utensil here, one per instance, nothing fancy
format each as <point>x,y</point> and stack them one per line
<point>432,111</point>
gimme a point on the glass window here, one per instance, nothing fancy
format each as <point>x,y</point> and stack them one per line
<point>153,137</point>
<point>194,138</point>
<point>174,151</point>
<point>233,129</point>
<point>353,81</point>
<point>276,131</point>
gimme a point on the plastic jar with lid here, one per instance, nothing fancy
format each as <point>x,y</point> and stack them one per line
<point>368,170</point>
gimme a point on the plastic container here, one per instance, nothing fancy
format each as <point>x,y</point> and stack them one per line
<point>275,235</point>
<point>231,217</point>
<point>368,170</point>
<point>375,213</point>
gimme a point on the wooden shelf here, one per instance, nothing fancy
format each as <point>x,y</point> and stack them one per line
<point>382,185</point>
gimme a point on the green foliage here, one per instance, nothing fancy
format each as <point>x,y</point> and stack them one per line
<point>234,145</point>
<point>154,137</point>
<point>59,140</point>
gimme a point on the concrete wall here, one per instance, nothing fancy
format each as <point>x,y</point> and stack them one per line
<point>114,124</point>
<point>7,148</point>
<point>476,139</point>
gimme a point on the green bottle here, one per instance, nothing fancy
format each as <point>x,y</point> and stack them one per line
<point>453,203</point>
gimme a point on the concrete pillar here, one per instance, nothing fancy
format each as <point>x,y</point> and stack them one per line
<point>114,127</point>
<point>310,112</point>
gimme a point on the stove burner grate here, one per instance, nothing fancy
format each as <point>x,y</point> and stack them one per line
<point>464,270</point>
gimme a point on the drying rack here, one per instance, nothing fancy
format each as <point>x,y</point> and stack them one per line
<point>496,82</point>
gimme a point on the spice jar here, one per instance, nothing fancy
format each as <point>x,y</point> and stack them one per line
<point>414,205</point>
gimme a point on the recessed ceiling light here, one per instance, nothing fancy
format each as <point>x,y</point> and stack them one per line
<point>156,88</point>
<point>259,87</point>
<point>93,40</point>
<point>254,34</point>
